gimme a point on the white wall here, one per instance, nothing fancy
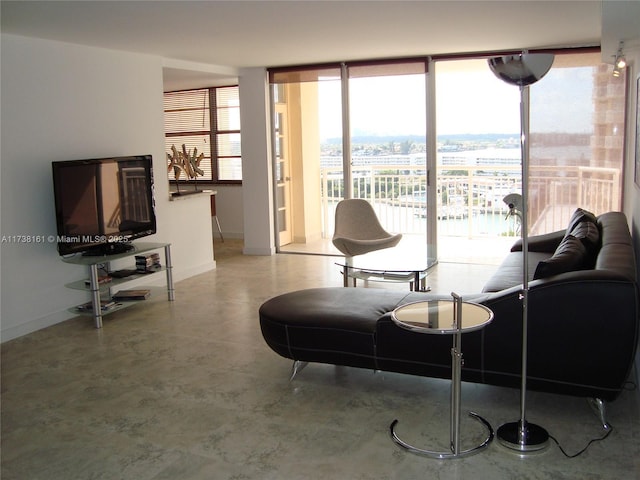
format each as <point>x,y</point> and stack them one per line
<point>62,102</point>
<point>257,179</point>
<point>631,204</point>
<point>229,207</point>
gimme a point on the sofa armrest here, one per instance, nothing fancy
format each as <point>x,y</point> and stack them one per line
<point>582,334</point>
<point>547,242</point>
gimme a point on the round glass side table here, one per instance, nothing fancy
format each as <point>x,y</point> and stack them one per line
<point>446,317</point>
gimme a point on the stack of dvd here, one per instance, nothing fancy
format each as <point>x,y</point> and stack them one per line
<point>105,305</point>
<point>148,263</point>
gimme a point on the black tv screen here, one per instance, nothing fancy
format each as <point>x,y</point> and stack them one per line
<point>103,204</point>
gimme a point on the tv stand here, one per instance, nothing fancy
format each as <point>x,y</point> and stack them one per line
<point>95,287</point>
<point>111,248</point>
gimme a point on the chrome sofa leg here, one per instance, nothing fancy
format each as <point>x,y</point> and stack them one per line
<point>599,408</point>
<point>297,367</point>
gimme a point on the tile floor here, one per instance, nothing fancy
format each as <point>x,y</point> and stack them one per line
<point>189,390</point>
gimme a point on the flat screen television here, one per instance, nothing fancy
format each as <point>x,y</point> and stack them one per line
<point>103,204</point>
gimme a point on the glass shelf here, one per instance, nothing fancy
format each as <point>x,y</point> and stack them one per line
<point>82,285</point>
<point>97,290</point>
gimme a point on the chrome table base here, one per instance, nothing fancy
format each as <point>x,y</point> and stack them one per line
<point>455,451</point>
<point>456,388</point>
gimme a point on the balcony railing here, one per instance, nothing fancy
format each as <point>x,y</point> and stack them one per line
<point>469,199</point>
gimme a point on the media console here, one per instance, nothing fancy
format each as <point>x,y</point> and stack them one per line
<point>96,288</point>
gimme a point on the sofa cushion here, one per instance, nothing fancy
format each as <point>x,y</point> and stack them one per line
<point>327,324</point>
<point>546,242</point>
<point>570,255</point>
<point>614,228</point>
<point>616,253</point>
<point>580,215</point>
<point>589,234</point>
<point>509,273</point>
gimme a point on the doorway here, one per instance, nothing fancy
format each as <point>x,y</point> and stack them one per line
<point>349,131</point>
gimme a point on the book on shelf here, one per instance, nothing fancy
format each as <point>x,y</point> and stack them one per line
<point>104,305</point>
<point>132,294</point>
<point>123,273</point>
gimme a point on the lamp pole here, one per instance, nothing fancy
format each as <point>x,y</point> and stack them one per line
<point>523,70</point>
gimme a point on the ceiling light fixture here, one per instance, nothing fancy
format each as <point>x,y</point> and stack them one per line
<point>620,62</point>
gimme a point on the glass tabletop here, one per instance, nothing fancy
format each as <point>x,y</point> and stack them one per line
<point>437,316</point>
<point>391,260</point>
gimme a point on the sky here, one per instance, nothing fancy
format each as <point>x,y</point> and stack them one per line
<point>470,99</point>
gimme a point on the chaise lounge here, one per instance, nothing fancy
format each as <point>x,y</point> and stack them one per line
<point>582,317</point>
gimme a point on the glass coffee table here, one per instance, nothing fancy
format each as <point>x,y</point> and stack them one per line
<point>382,266</point>
<point>446,317</point>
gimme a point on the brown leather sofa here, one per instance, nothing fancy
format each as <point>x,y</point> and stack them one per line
<point>582,316</point>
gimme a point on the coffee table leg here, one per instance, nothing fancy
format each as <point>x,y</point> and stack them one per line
<point>419,283</point>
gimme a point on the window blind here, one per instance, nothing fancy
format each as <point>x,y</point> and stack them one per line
<point>208,120</point>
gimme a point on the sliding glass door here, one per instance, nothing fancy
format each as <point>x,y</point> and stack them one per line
<point>388,144</point>
<point>575,150</point>
<point>435,147</point>
<point>349,131</point>
<point>307,144</point>
<point>478,161</point>
<point>577,141</point>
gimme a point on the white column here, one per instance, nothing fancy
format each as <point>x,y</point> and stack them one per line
<point>257,174</point>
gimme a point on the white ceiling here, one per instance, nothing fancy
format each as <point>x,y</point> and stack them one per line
<point>204,40</point>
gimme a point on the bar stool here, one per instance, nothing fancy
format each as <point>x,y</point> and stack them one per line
<point>215,217</point>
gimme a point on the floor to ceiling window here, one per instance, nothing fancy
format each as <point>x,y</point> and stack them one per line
<point>576,141</point>
<point>478,159</point>
<point>360,130</point>
<point>373,111</point>
<point>388,151</point>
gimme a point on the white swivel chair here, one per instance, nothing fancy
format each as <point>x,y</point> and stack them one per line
<point>358,231</point>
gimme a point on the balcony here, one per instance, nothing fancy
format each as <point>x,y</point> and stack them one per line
<point>472,218</point>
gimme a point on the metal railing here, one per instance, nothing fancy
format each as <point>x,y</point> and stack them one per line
<point>469,198</point>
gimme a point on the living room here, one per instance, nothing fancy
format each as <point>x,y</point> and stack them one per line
<point>63,100</point>
<point>83,98</point>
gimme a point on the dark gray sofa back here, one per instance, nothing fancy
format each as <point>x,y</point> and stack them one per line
<point>616,252</point>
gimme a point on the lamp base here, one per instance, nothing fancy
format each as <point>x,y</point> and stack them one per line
<point>523,437</point>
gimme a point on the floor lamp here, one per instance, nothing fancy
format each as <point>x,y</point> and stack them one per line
<point>523,70</point>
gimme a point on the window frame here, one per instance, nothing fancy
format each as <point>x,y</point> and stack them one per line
<point>339,70</point>
<point>212,133</point>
